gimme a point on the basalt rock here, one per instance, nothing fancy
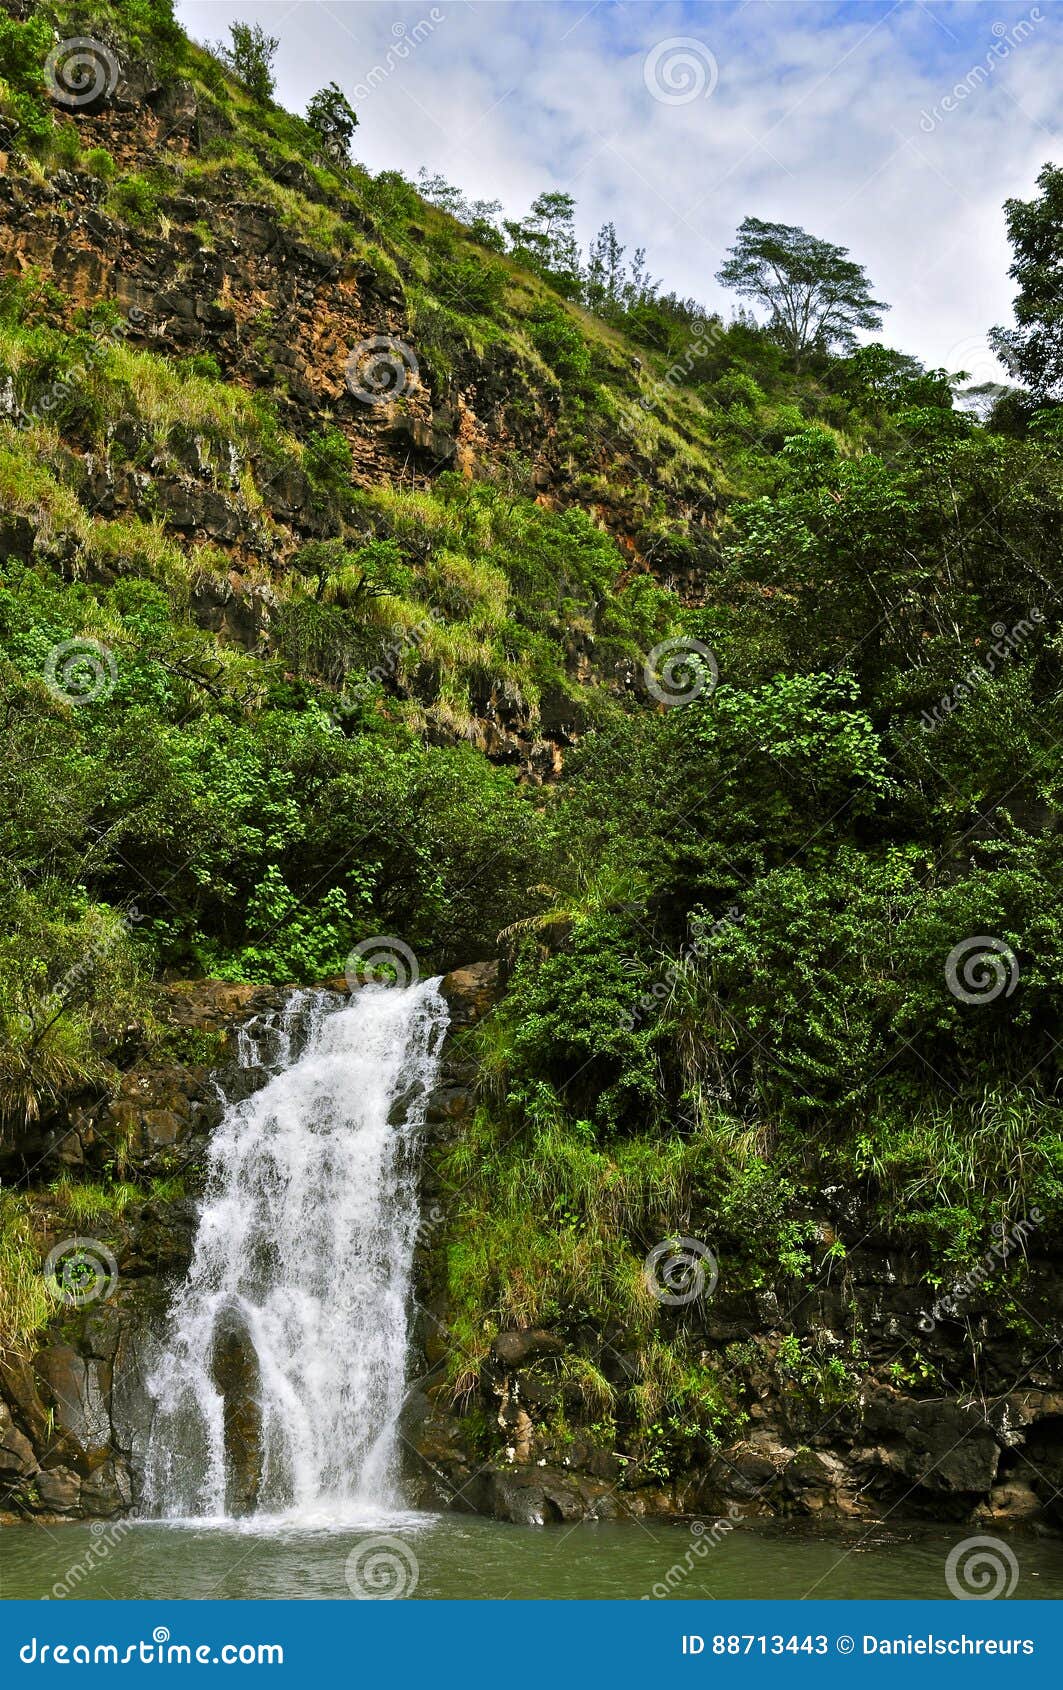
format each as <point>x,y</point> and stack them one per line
<point>471,992</point>
<point>234,1370</point>
<point>75,1410</point>
<point>813,1444</point>
<point>74,1413</point>
<point>516,1349</point>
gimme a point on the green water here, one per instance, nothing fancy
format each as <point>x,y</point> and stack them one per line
<point>458,1556</point>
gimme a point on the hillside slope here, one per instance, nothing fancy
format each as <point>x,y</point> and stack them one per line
<point>359,589</point>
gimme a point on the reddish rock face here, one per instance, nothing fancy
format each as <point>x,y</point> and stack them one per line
<point>271,310</point>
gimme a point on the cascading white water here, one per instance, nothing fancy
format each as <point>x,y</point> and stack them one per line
<point>302,1269</point>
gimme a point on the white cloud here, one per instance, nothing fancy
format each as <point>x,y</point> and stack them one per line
<point>817,118</point>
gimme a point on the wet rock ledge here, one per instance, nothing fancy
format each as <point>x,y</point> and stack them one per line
<point>74,1412</point>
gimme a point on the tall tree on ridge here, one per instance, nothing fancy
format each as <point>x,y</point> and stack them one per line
<point>817,295</point>
<point>1033,351</point>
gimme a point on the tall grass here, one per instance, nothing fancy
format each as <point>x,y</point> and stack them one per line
<point>25,1303</point>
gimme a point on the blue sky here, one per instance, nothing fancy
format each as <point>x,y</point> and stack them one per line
<point>896,130</point>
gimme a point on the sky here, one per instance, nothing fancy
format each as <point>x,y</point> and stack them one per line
<point>896,130</point>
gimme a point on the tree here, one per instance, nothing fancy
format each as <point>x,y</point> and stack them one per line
<point>1033,351</point>
<point>250,58</point>
<point>545,240</point>
<point>881,376</point>
<point>605,270</point>
<point>438,191</point>
<point>817,295</point>
<point>479,216</point>
<point>334,120</point>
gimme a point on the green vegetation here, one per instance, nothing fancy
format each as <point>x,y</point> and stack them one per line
<point>25,1303</point>
<point>816,294</point>
<point>1034,350</point>
<point>334,119</point>
<point>24,47</point>
<point>728,926</point>
<point>250,55</point>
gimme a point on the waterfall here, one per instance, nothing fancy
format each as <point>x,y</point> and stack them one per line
<point>282,1374</point>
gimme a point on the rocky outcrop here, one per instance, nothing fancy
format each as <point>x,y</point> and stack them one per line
<point>215,274</point>
<point>832,1420</point>
<point>74,1412</point>
<point>914,1457</point>
<point>74,1409</point>
<point>218,273</point>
